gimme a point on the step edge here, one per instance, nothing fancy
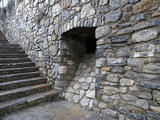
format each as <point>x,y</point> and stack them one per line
<point>24,89</point>
<point>11,104</point>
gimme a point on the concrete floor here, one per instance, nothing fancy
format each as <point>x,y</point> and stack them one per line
<point>60,110</point>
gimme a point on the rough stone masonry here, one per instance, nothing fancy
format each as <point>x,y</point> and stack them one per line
<point>124,80</point>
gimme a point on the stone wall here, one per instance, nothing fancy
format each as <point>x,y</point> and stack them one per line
<point>81,89</point>
<point>128,66</point>
<point>126,75</point>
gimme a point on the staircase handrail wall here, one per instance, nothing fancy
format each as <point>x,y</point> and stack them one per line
<point>24,34</point>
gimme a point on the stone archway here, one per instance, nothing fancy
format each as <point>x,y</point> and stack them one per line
<point>77,68</point>
<point>76,46</point>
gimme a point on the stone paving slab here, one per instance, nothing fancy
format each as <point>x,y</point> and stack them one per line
<point>61,110</point>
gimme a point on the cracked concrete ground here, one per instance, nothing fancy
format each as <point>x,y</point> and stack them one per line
<point>60,110</point>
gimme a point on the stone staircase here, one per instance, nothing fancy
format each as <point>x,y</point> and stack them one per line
<point>21,84</point>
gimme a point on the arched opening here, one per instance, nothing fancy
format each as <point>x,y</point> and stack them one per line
<point>83,36</point>
<point>78,47</point>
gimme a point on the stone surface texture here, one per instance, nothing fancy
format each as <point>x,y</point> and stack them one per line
<point>62,110</point>
<point>122,79</point>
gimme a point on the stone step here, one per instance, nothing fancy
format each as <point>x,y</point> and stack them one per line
<point>13,56</point>
<point>14,60</point>
<point>12,105</point>
<point>2,36</point>
<point>22,83</point>
<point>16,65</point>
<point>19,76</point>
<point>9,45</point>
<point>23,91</point>
<point>10,49</point>
<point>12,52</point>
<point>3,41</point>
<point>17,70</point>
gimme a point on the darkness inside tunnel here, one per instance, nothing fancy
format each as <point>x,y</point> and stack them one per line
<point>85,37</point>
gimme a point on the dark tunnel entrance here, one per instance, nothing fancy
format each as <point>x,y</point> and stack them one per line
<point>85,37</point>
<point>78,48</point>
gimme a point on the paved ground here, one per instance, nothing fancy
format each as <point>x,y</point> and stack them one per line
<point>54,111</point>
